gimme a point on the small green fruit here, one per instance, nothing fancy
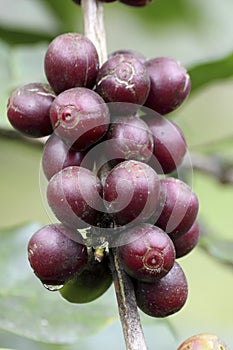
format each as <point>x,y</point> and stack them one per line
<point>90,284</point>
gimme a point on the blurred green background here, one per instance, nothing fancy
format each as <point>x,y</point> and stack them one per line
<point>200,35</point>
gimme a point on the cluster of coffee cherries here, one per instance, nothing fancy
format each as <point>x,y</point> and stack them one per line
<point>134,3</point>
<point>112,162</point>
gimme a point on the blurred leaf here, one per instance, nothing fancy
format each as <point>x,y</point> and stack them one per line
<point>208,72</point>
<point>29,310</point>
<point>221,249</point>
<point>27,16</point>
<point>222,145</point>
<point>17,36</point>
<point>67,13</point>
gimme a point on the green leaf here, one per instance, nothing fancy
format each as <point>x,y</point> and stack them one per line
<point>208,72</point>
<point>26,16</point>
<point>67,13</point>
<point>29,310</point>
<point>20,36</point>
<point>218,248</point>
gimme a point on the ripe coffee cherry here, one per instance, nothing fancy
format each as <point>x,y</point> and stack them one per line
<point>164,297</point>
<point>180,207</point>
<point>137,3</point>
<point>170,84</point>
<point>136,54</point>
<point>92,282</point>
<point>149,255</point>
<point>123,78</point>
<point>129,138</point>
<point>187,242</point>
<point>71,60</point>
<point>53,256</point>
<point>169,143</point>
<point>57,156</point>
<point>28,109</point>
<point>74,195</point>
<point>205,341</point>
<point>79,117</point>
<point>131,192</point>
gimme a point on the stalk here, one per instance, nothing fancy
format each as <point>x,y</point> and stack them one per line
<point>94,29</point>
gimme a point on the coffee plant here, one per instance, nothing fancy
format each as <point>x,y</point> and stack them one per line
<point>116,177</point>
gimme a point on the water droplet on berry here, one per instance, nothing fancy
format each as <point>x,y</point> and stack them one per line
<point>53,288</point>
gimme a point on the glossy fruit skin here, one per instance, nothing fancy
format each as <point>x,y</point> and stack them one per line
<point>149,255</point>
<point>88,285</point>
<point>123,78</point>
<point>129,138</point>
<point>137,3</point>
<point>28,109</point>
<point>169,143</point>
<point>79,117</point>
<point>131,192</point>
<point>187,242</point>
<point>164,297</point>
<point>180,207</point>
<point>205,341</point>
<point>170,84</point>
<point>57,156</point>
<point>74,196</point>
<point>71,60</point>
<point>55,257</point>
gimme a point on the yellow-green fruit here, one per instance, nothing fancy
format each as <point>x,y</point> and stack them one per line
<point>203,342</point>
<point>90,284</point>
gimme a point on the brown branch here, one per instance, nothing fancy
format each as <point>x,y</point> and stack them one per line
<point>215,166</point>
<point>130,320</point>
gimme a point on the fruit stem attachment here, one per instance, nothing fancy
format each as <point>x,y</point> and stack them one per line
<point>94,29</point>
<point>127,306</point>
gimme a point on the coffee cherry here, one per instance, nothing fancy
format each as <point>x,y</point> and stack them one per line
<point>129,138</point>
<point>169,143</point>
<point>55,257</point>
<point>205,341</point>
<point>180,207</point>
<point>136,54</point>
<point>57,156</point>
<point>28,109</point>
<point>71,60</point>
<point>187,242</point>
<point>131,192</point>
<point>88,285</point>
<point>79,117</point>
<point>137,3</point>
<point>170,84</point>
<point>74,195</point>
<point>164,297</point>
<point>123,78</point>
<point>149,255</point>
